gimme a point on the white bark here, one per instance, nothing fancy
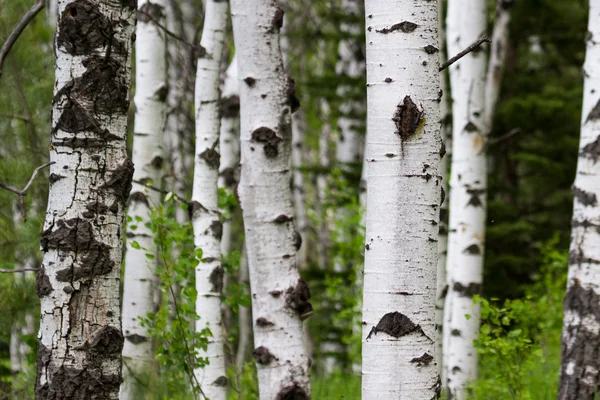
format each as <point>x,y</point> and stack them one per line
<point>298,189</point>
<point>244,319</point>
<point>52,12</point>
<point>580,338</point>
<point>229,143</point>
<point>403,155</point>
<point>205,213</point>
<point>279,297</point>
<point>466,22</point>
<point>80,339</point>
<point>150,121</point>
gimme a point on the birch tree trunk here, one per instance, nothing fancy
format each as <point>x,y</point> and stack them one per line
<point>205,212</point>
<point>468,183</point>
<point>80,339</point>
<point>279,296</point>
<point>403,199</point>
<point>580,338</point>
<point>229,142</point>
<point>148,157</point>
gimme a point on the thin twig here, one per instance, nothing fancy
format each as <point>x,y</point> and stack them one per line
<point>201,50</point>
<point>14,35</point>
<point>474,46</point>
<point>15,271</point>
<point>506,136</point>
<point>13,116</point>
<point>155,189</point>
<point>21,193</point>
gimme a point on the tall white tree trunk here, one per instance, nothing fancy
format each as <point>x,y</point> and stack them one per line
<point>52,12</point>
<point>468,183</point>
<point>80,339</point>
<point>298,186</point>
<point>205,212</point>
<point>229,143</point>
<point>148,158</point>
<point>580,337</point>
<point>244,318</point>
<point>403,199</point>
<point>279,296</point>
<point>446,133</point>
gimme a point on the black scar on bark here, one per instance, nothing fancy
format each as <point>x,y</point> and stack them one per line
<point>281,218</point>
<point>442,150</point>
<point>136,339</point>
<point>292,97</point>
<point>79,384</point>
<point>583,301</point>
<point>250,81</point>
<point>471,127</point>
<point>437,388</point>
<point>150,12</point>
<point>455,332</point>
<point>296,298</point>
<point>444,292</point>
<point>404,26</point>
<point>585,224</point>
<point>54,178</point>
<point>194,207</point>
<point>474,197</point>
<point>585,198</point>
<point>120,181</point>
<point>139,197</point>
<point>396,325</point>
<point>228,175</point>
<point>216,279</point>
<point>83,28</point>
<point>42,361</point>
<point>467,291</point>
<point>157,162</point>
<point>262,355</point>
<point>94,209</point>
<point>275,293</point>
<point>407,118</point>
<point>592,150</point>
<point>162,92</point>
<point>76,235</point>
<point>212,157</point>
<point>216,228</point>
<point>292,392</point>
<point>42,283</point>
<point>442,195</point>
<point>221,381</point>
<point>594,114</point>
<point>473,250</point>
<point>456,369</point>
<point>263,322</point>
<point>277,21</point>
<point>429,49</point>
<point>424,360</point>
<point>230,106</point>
<point>269,138</point>
<point>108,341</point>
<point>576,257</point>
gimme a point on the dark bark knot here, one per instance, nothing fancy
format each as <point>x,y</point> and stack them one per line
<point>230,106</point>
<point>264,323</point>
<point>216,279</point>
<point>77,236</point>
<point>277,21</point>
<point>429,49</point>
<point>396,325</point>
<point>83,28</point>
<point>263,356</point>
<point>424,360</point>
<point>297,240</point>
<point>296,298</point>
<point>107,341</point>
<point>407,118</point>
<point>150,12</point>
<point>467,291</point>
<point>120,181</point>
<point>42,283</point>
<point>475,197</point>
<point>404,26</point>
<point>585,198</point>
<point>269,138</point>
<point>292,392</point>
<point>473,249</point>
<point>292,97</point>
<point>74,383</point>
<point>592,150</point>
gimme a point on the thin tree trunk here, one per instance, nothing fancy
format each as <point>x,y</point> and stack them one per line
<point>279,296</point>
<point>468,183</point>
<point>150,121</point>
<point>244,319</point>
<point>80,339</point>
<point>52,12</point>
<point>298,185</point>
<point>403,201</point>
<point>205,213</point>
<point>580,338</point>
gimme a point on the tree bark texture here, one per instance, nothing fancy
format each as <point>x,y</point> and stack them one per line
<point>466,22</point>
<point>279,296</point>
<point>80,339</point>
<point>148,157</point>
<point>403,199</point>
<point>205,212</point>
<point>580,337</point>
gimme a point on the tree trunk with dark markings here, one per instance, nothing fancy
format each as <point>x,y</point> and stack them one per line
<point>80,339</point>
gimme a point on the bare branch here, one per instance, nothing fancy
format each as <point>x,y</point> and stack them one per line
<point>16,271</point>
<point>12,38</point>
<point>155,189</point>
<point>506,136</point>
<point>474,46</point>
<point>21,193</point>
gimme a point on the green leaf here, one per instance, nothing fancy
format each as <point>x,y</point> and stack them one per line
<point>134,244</point>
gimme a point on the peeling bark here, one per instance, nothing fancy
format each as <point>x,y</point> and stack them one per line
<point>80,340</point>
<point>579,376</point>
<point>403,198</point>
<point>264,193</point>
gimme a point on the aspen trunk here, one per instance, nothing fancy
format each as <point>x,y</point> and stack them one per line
<point>279,296</point>
<point>205,213</point>
<point>244,319</point>
<point>80,339</point>
<point>580,338</point>
<point>403,198</point>
<point>468,185</point>
<point>150,121</point>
